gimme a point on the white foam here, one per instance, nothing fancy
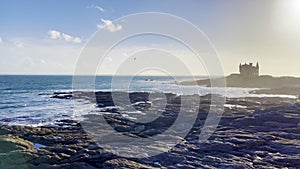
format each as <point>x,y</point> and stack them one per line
<point>230,106</point>
<point>141,102</point>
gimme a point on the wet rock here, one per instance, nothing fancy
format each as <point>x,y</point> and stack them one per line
<point>263,132</point>
<point>9,143</point>
<point>276,124</point>
<point>81,165</point>
<point>62,96</point>
<point>124,163</point>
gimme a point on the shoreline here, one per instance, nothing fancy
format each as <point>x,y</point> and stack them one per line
<point>253,133</point>
<point>67,95</point>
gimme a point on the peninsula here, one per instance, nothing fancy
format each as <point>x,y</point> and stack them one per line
<point>249,77</point>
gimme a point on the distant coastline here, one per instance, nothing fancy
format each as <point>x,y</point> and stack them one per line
<point>263,81</point>
<point>249,77</point>
<point>265,84</point>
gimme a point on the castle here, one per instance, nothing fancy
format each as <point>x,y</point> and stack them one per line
<point>249,70</point>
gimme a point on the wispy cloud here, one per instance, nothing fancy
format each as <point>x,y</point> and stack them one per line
<point>70,38</point>
<point>99,8</point>
<point>108,25</point>
<point>54,34</point>
<point>1,40</point>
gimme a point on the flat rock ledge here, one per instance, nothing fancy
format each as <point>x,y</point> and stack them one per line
<point>255,133</point>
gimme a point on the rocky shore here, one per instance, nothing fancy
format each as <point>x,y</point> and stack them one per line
<point>252,133</point>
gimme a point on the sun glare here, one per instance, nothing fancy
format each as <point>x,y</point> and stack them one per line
<point>288,15</point>
<point>294,8</point>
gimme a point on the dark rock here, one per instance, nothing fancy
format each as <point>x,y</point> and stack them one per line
<point>124,163</point>
<point>62,96</point>
<point>265,133</point>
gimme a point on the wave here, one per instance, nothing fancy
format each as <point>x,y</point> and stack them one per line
<point>12,106</point>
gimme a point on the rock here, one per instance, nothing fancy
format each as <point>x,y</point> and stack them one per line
<point>276,124</point>
<point>3,131</point>
<point>9,143</point>
<point>124,163</point>
<point>44,166</point>
<point>62,96</point>
<point>215,146</point>
<point>172,159</point>
<point>254,143</point>
<point>79,165</point>
<point>266,133</point>
<point>15,158</point>
<point>149,132</point>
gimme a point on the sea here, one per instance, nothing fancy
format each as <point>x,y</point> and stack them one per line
<point>26,99</point>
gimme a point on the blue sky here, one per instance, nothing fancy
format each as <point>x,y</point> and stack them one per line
<point>33,17</point>
<point>242,31</point>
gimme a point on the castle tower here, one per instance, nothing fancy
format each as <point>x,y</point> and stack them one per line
<point>249,70</point>
<point>257,69</point>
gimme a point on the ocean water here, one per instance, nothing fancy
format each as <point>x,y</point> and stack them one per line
<point>25,100</point>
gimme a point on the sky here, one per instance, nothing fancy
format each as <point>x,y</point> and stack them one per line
<point>48,37</point>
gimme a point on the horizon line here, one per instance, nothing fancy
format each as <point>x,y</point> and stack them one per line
<point>141,75</point>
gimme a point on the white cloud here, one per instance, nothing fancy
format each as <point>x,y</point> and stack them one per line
<point>1,40</point>
<point>67,38</point>
<point>19,44</point>
<point>53,34</point>
<point>77,40</point>
<point>108,25</point>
